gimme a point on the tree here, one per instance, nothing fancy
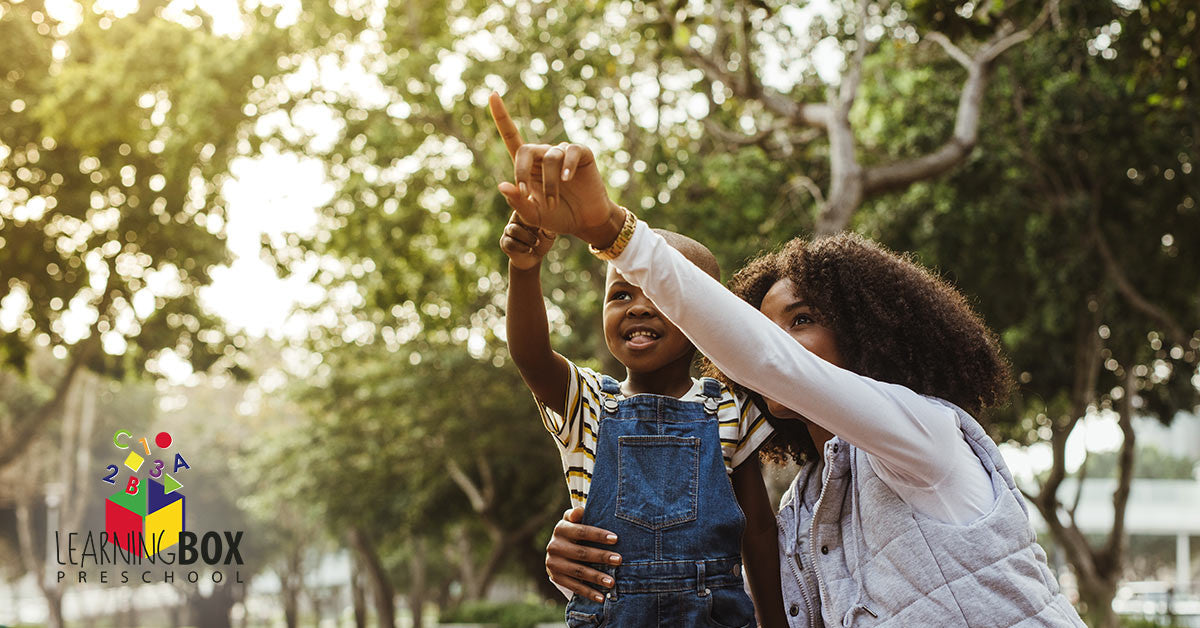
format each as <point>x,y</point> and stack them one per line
<point>110,218</point>
<point>1070,228</point>
<point>52,486</point>
<point>437,456</point>
<point>731,44</point>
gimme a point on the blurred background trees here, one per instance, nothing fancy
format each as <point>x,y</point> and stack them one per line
<point>1039,154</point>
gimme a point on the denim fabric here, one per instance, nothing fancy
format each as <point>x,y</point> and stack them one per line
<point>660,484</point>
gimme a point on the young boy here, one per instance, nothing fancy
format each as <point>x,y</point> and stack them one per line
<point>648,457</point>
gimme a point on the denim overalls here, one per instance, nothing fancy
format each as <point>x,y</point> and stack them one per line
<point>660,484</point>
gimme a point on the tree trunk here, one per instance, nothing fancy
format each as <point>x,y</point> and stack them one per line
<point>358,595</point>
<point>1097,570</point>
<point>30,550</point>
<point>291,581</point>
<point>381,585</point>
<point>212,611</point>
<point>1095,600</point>
<point>54,606</point>
<point>417,590</point>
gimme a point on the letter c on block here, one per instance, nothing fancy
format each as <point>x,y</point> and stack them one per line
<point>118,435</point>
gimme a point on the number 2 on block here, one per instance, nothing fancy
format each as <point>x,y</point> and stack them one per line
<point>109,478</point>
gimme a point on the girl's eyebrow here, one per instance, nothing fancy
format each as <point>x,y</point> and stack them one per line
<point>795,306</point>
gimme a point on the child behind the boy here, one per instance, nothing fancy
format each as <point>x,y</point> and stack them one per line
<point>648,458</point>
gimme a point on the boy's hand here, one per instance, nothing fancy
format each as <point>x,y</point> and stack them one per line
<point>558,188</point>
<point>525,246</point>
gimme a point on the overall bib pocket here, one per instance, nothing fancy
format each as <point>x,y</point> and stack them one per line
<point>657,480</point>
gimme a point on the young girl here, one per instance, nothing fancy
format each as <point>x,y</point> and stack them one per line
<point>904,513</point>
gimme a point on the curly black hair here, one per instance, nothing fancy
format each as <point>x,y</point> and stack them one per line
<point>892,319</point>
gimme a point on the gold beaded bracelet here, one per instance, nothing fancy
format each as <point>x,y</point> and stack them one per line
<point>622,240</point>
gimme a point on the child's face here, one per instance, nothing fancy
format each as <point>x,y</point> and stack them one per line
<point>637,334</point>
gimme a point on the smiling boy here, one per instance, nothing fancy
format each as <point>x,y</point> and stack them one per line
<point>649,457</point>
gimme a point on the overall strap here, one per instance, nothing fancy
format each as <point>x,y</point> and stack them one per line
<point>712,394</point>
<point>712,388</point>
<point>610,385</point>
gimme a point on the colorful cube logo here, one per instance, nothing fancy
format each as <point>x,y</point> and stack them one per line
<point>149,519</point>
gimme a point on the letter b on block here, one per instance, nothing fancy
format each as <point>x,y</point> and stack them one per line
<point>147,519</point>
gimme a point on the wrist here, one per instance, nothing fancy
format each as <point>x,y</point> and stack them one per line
<point>534,269</point>
<point>604,234</point>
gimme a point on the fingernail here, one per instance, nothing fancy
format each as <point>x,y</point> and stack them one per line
<point>607,581</point>
<point>553,202</point>
<point>566,174</point>
<point>612,538</point>
<point>524,190</point>
<point>598,598</point>
<point>614,559</point>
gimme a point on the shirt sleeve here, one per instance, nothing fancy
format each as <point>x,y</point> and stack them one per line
<point>582,408</point>
<point>903,429</point>
<point>753,431</point>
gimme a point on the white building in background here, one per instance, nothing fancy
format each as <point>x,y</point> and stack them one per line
<point>1168,508</point>
<point>1181,439</point>
<point>1155,508</point>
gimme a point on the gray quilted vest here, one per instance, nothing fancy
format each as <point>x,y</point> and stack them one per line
<point>852,553</point>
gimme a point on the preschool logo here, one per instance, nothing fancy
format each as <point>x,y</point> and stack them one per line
<point>148,514</point>
<point>145,522</point>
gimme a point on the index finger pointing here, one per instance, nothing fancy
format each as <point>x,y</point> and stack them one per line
<point>504,123</point>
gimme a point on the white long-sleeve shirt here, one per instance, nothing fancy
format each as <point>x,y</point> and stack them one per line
<point>914,444</point>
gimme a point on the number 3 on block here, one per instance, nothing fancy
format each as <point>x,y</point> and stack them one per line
<point>156,472</point>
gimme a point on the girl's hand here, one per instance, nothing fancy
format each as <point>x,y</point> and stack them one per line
<point>557,188</point>
<point>565,557</point>
<point>525,246</point>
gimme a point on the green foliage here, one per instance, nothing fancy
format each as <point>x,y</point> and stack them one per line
<point>1150,462</point>
<point>1071,162</point>
<point>110,168</point>
<point>506,615</point>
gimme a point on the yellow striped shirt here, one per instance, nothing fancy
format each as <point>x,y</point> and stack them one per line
<point>742,429</point>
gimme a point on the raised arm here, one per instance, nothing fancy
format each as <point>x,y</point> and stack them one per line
<point>902,429</point>
<point>527,330</point>
<point>904,432</point>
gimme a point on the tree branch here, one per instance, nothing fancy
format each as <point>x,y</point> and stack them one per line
<point>28,425</point>
<point>1082,476</point>
<point>478,502</point>
<point>848,90</point>
<point>954,51</point>
<point>738,139</point>
<point>1126,288</point>
<point>1116,538</point>
<point>745,85</point>
<point>1087,365</point>
<point>966,123</point>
